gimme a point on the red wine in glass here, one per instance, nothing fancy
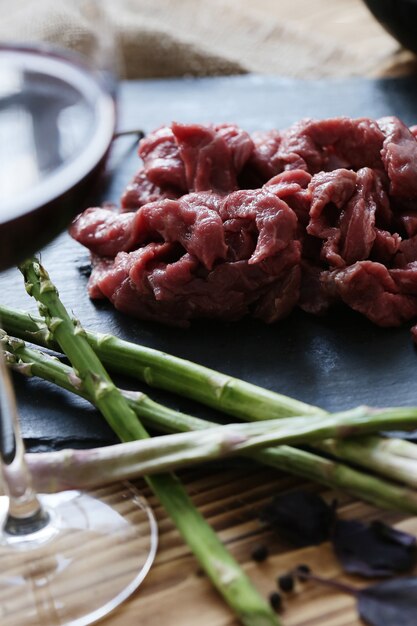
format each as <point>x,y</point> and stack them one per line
<point>72,557</point>
<point>56,126</point>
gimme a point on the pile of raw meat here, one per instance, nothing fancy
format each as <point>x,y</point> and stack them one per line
<point>220,224</point>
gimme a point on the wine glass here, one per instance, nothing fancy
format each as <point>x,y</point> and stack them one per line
<point>71,557</point>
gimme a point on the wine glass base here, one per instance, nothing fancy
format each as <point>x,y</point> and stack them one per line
<point>93,554</point>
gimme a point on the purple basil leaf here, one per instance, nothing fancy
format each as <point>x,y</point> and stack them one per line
<point>390,533</point>
<point>373,550</point>
<point>390,603</point>
<point>302,517</point>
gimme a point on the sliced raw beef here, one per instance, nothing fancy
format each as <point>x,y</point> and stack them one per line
<point>162,162</point>
<point>192,157</point>
<point>317,145</point>
<point>202,256</point>
<point>141,191</point>
<point>399,155</point>
<point>220,224</point>
<point>292,186</point>
<point>193,221</point>
<point>330,191</point>
<point>381,294</point>
<point>263,163</point>
<point>212,157</point>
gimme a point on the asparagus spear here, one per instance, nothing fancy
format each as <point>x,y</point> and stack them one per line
<point>159,369</point>
<point>30,362</point>
<point>169,452</point>
<point>394,458</point>
<point>222,569</point>
<point>227,394</point>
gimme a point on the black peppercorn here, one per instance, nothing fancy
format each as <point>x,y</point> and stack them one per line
<point>275,600</point>
<point>260,553</point>
<point>286,583</point>
<point>302,572</point>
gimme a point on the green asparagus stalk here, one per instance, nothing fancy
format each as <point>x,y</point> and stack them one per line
<point>227,394</point>
<point>168,452</point>
<point>394,458</point>
<point>336,475</point>
<point>159,369</point>
<point>222,569</point>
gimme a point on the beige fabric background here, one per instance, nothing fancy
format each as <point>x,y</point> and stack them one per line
<point>304,38</point>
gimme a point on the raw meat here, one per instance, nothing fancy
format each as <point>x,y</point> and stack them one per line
<point>220,224</point>
<point>202,256</point>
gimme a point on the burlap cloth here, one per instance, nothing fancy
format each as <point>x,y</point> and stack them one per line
<point>303,38</point>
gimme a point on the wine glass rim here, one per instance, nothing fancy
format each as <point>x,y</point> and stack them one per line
<point>95,90</point>
<point>59,52</point>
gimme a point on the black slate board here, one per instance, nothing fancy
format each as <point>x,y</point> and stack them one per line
<point>334,362</point>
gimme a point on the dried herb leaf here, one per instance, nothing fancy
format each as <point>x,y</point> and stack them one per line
<point>302,517</point>
<point>373,550</point>
<point>390,603</point>
<point>399,536</point>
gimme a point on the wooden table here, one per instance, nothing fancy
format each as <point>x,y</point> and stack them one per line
<point>176,593</point>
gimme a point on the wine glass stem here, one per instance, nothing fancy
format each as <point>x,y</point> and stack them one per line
<point>25,514</point>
